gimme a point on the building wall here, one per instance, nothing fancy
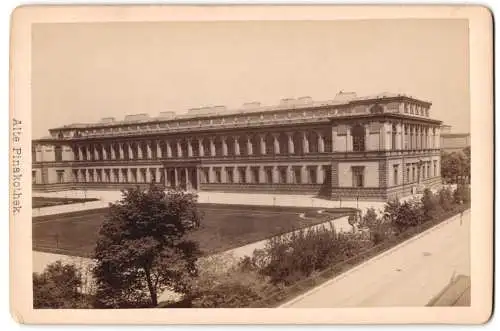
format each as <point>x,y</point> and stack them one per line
<point>67,153</point>
<point>340,142</point>
<point>373,143</point>
<point>319,140</point>
<point>371,173</point>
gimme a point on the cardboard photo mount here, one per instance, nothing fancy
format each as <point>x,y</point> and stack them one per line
<point>481,123</point>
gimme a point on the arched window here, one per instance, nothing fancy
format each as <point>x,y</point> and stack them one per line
<point>58,153</point>
<point>358,138</point>
<point>377,109</point>
<point>394,136</point>
<point>298,143</point>
<point>313,142</point>
<point>269,141</point>
<point>283,142</point>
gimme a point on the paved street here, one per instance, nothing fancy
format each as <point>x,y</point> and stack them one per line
<point>411,274</point>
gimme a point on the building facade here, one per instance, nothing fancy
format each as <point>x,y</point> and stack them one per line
<point>351,147</point>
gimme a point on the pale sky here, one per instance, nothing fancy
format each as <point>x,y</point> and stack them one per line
<point>82,72</point>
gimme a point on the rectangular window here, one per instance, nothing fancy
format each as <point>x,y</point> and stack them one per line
<point>33,177</point>
<point>358,176</point>
<point>229,175</point>
<point>312,175</point>
<point>407,179</point>
<point>99,175</point>
<point>269,175</point>
<point>283,176</point>
<point>395,174</point>
<point>255,175</point>
<point>116,176</point>
<point>297,178</point>
<point>153,175</point>
<point>413,174</point>
<point>435,168</point>
<point>134,175</point>
<point>58,153</point>
<point>60,176</point>
<point>242,175</point>
<point>205,176</point>
<point>218,175</point>
<point>106,175</point>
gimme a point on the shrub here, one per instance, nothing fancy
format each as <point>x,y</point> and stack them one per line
<point>408,214</point>
<point>446,199</point>
<point>59,286</point>
<point>222,284</point>
<point>431,207</point>
<point>462,194</point>
<point>370,218</point>
<point>287,259</point>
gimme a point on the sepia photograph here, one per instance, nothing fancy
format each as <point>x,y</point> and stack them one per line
<point>251,163</point>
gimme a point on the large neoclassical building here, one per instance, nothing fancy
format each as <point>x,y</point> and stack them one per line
<point>377,147</point>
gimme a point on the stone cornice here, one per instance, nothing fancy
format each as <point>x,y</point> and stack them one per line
<point>295,114</point>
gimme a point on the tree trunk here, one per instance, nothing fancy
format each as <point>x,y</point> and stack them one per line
<point>152,290</point>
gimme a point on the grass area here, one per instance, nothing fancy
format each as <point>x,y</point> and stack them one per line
<point>41,202</point>
<point>223,227</point>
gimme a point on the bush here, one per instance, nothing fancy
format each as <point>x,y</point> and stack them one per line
<point>407,214</point>
<point>223,284</point>
<point>446,199</point>
<point>370,219</point>
<point>59,286</point>
<point>462,194</point>
<point>287,259</point>
<point>431,207</point>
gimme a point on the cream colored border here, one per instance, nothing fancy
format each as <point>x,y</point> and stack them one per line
<point>481,83</point>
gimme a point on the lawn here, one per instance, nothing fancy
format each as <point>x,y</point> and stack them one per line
<point>40,202</point>
<point>223,227</point>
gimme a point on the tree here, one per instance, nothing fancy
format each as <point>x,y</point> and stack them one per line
<point>370,218</point>
<point>455,167</point>
<point>404,215</point>
<point>462,194</point>
<point>467,173</point>
<point>58,286</point>
<point>142,248</point>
